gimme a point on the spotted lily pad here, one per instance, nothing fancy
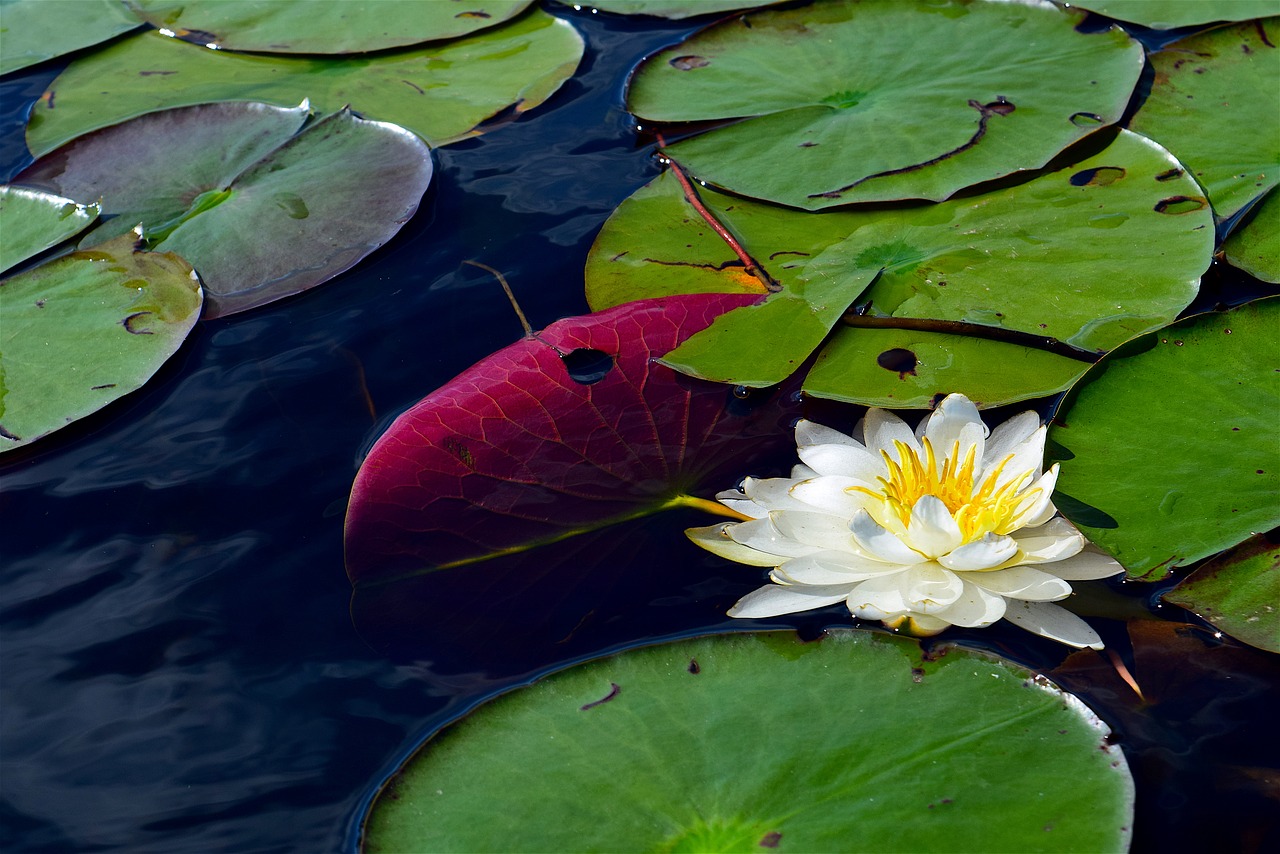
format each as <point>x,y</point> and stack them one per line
<point>86,329</point>
<point>262,213</point>
<point>1239,592</point>
<point>837,103</point>
<point>754,742</point>
<point>323,27</point>
<point>1227,80</point>
<point>1254,245</point>
<point>38,30</point>
<point>32,221</point>
<point>1033,266</point>
<point>1168,14</point>
<point>443,92</point>
<point>1168,445</point>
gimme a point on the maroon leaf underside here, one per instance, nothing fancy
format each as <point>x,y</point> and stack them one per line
<point>513,452</point>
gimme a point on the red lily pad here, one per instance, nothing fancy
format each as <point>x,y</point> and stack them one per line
<point>516,452</point>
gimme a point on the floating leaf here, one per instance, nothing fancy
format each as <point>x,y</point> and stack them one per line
<point>840,106</point>
<point>695,746</point>
<point>1169,14</point>
<point>1254,245</point>
<point>37,30</point>
<point>32,221</point>
<point>261,213</point>
<point>1033,261</point>
<point>669,8</point>
<point>515,452</point>
<point>1168,445</point>
<point>86,329</point>
<point>1239,592</point>
<point>1213,104</point>
<point>322,27</point>
<point>442,93</point>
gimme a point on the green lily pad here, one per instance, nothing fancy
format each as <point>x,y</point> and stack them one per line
<point>1213,104</point>
<point>32,221</point>
<point>323,27</point>
<point>1169,446</point>
<point>1239,592</point>
<point>669,8</point>
<point>262,214</point>
<point>86,329</point>
<point>760,741</point>
<point>1033,261</point>
<point>839,106</point>
<point>443,93</point>
<point>1169,14</point>
<point>1254,245</point>
<point>32,31</point>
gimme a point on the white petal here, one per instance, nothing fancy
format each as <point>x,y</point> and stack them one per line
<point>816,529</point>
<point>800,471</point>
<point>829,568</point>
<point>1022,582</point>
<point>1053,622</point>
<point>1043,510</point>
<point>1010,434</point>
<point>773,600</point>
<point>883,428</point>
<point>811,433</point>
<point>737,502</point>
<point>986,553</point>
<point>878,597</point>
<point>845,460</point>
<point>955,420</point>
<point>929,588</point>
<point>761,535</point>
<point>714,539</point>
<point>881,544</point>
<point>830,495</point>
<point>1056,540</point>
<point>932,531</point>
<point>974,607</point>
<point>773,493</point>
<point>1026,456</point>
<point>1091,563</point>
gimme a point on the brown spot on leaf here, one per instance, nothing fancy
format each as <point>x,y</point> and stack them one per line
<point>151,73</point>
<point>1099,176</point>
<point>98,387</point>
<point>614,690</point>
<point>770,839</point>
<point>1169,175</point>
<point>694,667</point>
<point>1086,119</point>
<point>898,360</point>
<point>688,62</point>
<point>473,15</point>
<point>5,434</point>
<point>1175,205</point>
<point>460,451</point>
<point>133,326</point>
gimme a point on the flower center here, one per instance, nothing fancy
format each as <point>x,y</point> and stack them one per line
<point>977,508</point>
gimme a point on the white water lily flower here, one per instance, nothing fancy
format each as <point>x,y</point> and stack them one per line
<point>945,525</point>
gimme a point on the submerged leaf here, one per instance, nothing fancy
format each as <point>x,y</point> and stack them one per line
<point>85,329</point>
<point>751,742</point>
<point>32,221</point>
<point>1168,445</point>
<point>1239,592</point>
<point>443,93</point>
<point>838,104</point>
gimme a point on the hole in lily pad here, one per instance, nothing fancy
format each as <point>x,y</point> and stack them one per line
<point>1086,119</point>
<point>587,366</point>
<point>1099,176</point>
<point>898,360</point>
<point>1181,204</point>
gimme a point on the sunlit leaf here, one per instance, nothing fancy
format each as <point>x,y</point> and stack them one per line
<point>1239,592</point>
<point>443,93</point>
<point>35,30</point>
<point>1039,260</point>
<point>32,221</point>
<point>85,329</point>
<point>751,742</point>
<point>1213,104</point>
<point>259,212</point>
<point>515,452</point>
<point>841,105</point>
<point>1169,444</point>
<point>1168,14</point>
<point>329,27</point>
<point>1254,245</point>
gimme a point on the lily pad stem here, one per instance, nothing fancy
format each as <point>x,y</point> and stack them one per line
<point>524,321</point>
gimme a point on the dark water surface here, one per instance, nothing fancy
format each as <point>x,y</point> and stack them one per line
<point>181,670</point>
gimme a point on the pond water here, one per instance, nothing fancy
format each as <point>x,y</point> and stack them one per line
<point>183,669</point>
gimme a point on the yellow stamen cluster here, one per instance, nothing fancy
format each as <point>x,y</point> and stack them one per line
<point>990,507</point>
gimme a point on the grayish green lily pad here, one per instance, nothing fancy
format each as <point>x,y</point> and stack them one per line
<point>443,93</point>
<point>756,742</point>
<point>1169,445</point>
<point>1254,245</point>
<point>86,329</point>
<point>1033,261</point>
<point>1213,104</point>
<point>32,31</point>
<point>1169,14</point>
<point>32,221</point>
<point>326,27</point>
<point>881,100</point>
<point>668,8</point>
<point>1239,592</point>
<point>260,212</point>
